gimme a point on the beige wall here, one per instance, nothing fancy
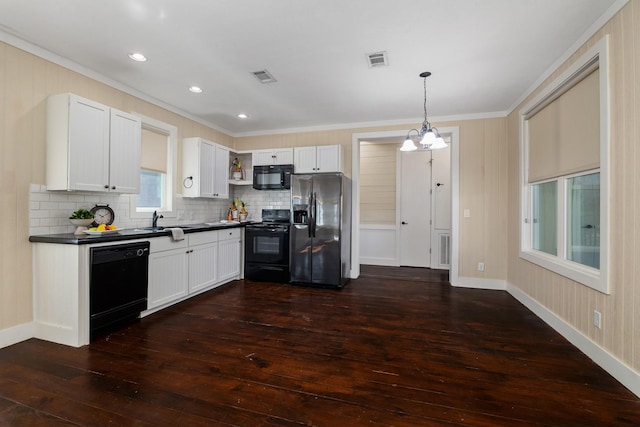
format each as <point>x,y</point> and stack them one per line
<point>378,183</point>
<point>25,83</point>
<point>569,300</point>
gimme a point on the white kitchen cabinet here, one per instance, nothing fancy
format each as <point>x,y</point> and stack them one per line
<point>229,251</point>
<point>204,169</point>
<point>203,260</point>
<point>91,147</point>
<point>322,158</point>
<point>277,156</point>
<point>168,275</point>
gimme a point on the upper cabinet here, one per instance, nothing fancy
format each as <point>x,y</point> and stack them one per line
<point>277,156</point>
<point>205,167</point>
<point>323,158</point>
<point>91,147</point>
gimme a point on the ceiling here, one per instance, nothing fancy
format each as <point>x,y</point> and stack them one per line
<point>484,54</point>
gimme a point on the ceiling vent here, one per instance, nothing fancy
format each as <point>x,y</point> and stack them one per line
<point>377,59</point>
<point>264,76</point>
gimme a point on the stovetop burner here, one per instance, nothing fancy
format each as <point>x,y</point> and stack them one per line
<point>276,216</point>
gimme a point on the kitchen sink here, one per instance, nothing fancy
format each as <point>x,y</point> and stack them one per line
<point>160,228</point>
<point>150,229</point>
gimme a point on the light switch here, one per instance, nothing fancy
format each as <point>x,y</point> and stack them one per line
<point>467,213</point>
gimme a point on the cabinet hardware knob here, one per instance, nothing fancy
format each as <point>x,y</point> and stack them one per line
<point>439,184</point>
<point>404,223</point>
<point>113,187</point>
<point>106,186</point>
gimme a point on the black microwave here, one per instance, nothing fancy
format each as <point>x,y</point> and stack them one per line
<point>272,177</point>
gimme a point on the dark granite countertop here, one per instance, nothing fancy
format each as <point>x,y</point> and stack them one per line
<point>126,234</point>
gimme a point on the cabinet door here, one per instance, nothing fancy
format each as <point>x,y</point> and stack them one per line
<point>263,157</point>
<point>207,165</point>
<point>283,156</point>
<point>228,259</point>
<point>168,276</point>
<point>124,152</point>
<point>203,260</point>
<point>328,158</point>
<point>304,159</point>
<point>88,145</point>
<point>221,173</point>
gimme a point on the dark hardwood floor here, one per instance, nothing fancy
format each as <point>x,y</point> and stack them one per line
<point>397,347</point>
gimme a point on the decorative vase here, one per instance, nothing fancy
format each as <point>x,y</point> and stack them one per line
<point>236,175</point>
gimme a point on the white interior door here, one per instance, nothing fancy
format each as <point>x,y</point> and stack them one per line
<point>441,232</point>
<point>415,208</point>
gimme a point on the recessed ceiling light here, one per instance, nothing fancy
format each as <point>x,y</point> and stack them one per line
<point>243,116</point>
<point>195,89</point>
<point>136,56</point>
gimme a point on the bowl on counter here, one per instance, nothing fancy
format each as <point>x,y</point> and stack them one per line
<point>81,224</point>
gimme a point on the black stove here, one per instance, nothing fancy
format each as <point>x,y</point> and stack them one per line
<point>273,217</point>
<point>266,254</point>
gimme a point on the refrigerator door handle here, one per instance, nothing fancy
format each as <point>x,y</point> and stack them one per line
<point>315,212</point>
<point>310,225</point>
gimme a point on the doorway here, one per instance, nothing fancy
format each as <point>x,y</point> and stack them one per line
<point>395,195</point>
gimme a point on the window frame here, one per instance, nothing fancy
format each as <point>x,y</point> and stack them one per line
<point>597,279</point>
<point>169,210</point>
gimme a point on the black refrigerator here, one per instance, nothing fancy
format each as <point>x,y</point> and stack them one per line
<point>320,250</point>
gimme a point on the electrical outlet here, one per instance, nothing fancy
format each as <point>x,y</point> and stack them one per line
<point>466,213</point>
<point>481,266</point>
<point>597,319</point>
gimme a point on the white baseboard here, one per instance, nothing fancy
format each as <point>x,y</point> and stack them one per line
<point>616,368</point>
<point>389,262</point>
<point>16,334</point>
<point>478,283</point>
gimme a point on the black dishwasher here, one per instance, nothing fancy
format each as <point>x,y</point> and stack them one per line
<point>118,285</point>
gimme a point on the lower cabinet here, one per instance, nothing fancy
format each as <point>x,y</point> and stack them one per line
<point>229,254</point>
<point>179,269</point>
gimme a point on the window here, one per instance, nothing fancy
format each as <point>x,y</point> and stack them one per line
<point>157,168</point>
<point>564,145</point>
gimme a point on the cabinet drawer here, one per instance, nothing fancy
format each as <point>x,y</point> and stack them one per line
<point>160,244</point>
<point>203,237</point>
<point>229,234</point>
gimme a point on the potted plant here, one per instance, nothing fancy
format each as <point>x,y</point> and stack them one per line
<point>236,169</point>
<point>81,219</point>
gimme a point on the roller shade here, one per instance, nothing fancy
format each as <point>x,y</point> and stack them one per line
<point>154,151</point>
<point>564,136</point>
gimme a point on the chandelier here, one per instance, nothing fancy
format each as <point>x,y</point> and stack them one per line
<point>428,136</point>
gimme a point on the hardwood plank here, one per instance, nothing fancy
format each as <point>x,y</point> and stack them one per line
<point>395,349</point>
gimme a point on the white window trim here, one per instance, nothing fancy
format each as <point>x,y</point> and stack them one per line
<point>172,162</point>
<point>593,278</point>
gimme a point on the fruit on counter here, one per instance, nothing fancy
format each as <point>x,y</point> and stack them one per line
<point>104,227</point>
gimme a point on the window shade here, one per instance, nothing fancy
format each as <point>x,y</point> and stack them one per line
<point>154,151</point>
<point>564,136</point>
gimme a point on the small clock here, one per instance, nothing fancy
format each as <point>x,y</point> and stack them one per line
<point>102,214</point>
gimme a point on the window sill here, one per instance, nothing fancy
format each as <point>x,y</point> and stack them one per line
<point>591,277</point>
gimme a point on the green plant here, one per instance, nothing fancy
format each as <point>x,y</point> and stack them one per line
<point>81,214</point>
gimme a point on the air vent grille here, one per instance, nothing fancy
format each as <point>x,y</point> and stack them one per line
<point>264,76</point>
<point>445,250</point>
<point>377,59</point>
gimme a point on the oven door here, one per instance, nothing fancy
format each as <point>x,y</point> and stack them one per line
<point>267,245</point>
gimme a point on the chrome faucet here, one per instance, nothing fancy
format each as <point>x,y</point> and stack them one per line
<point>156,217</point>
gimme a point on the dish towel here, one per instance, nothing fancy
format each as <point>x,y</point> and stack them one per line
<point>177,233</point>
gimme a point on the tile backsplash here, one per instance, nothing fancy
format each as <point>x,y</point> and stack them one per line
<point>49,210</point>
